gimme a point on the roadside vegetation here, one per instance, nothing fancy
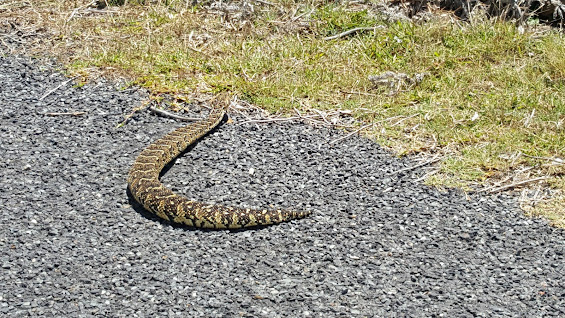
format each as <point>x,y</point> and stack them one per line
<point>485,99</point>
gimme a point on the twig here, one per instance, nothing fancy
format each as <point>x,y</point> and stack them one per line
<point>198,51</point>
<point>435,159</point>
<point>56,88</point>
<point>342,34</point>
<point>366,126</point>
<point>265,2</point>
<point>512,185</point>
<point>403,119</point>
<point>558,160</point>
<point>426,175</point>
<point>135,110</point>
<point>529,118</point>
<point>323,123</point>
<point>498,183</point>
<point>323,116</point>
<point>352,133</point>
<point>311,117</point>
<point>79,8</point>
<point>358,93</point>
<point>268,120</point>
<point>170,115</point>
<point>65,114</point>
<point>98,11</point>
<point>301,15</point>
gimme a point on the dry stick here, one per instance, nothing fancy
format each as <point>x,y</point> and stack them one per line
<point>135,110</point>
<point>79,8</point>
<point>529,118</point>
<point>403,119</point>
<point>301,15</point>
<point>342,34</point>
<point>558,160</point>
<point>312,117</point>
<point>358,93</point>
<point>277,119</point>
<point>435,159</point>
<point>198,51</point>
<point>426,175</point>
<point>322,115</point>
<point>514,184</point>
<point>268,120</point>
<point>242,113</point>
<point>299,113</point>
<point>98,11</point>
<point>265,2</point>
<point>368,125</point>
<point>65,114</point>
<point>352,133</point>
<point>170,115</point>
<point>326,122</point>
<point>56,88</point>
<point>497,183</point>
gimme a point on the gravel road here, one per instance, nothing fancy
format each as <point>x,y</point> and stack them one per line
<point>74,245</point>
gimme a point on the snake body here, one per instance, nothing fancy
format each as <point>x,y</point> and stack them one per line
<point>145,187</point>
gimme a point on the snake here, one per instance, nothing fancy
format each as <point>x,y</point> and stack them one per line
<point>146,188</point>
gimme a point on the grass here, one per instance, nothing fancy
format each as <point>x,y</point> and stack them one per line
<point>492,101</point>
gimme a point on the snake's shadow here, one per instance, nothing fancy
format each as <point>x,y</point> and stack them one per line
<point>151,216</point>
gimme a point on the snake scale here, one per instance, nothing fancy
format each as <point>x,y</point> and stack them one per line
<point>145,187</point>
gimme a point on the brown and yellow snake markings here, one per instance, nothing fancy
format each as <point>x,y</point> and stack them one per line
<point>145,187</point>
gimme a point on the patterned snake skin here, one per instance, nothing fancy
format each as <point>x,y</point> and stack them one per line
<point>144,185</point>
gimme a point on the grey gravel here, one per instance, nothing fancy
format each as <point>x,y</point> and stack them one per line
<point>379,245</point>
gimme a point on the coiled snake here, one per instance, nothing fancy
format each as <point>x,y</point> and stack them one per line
<point>145,187</point>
